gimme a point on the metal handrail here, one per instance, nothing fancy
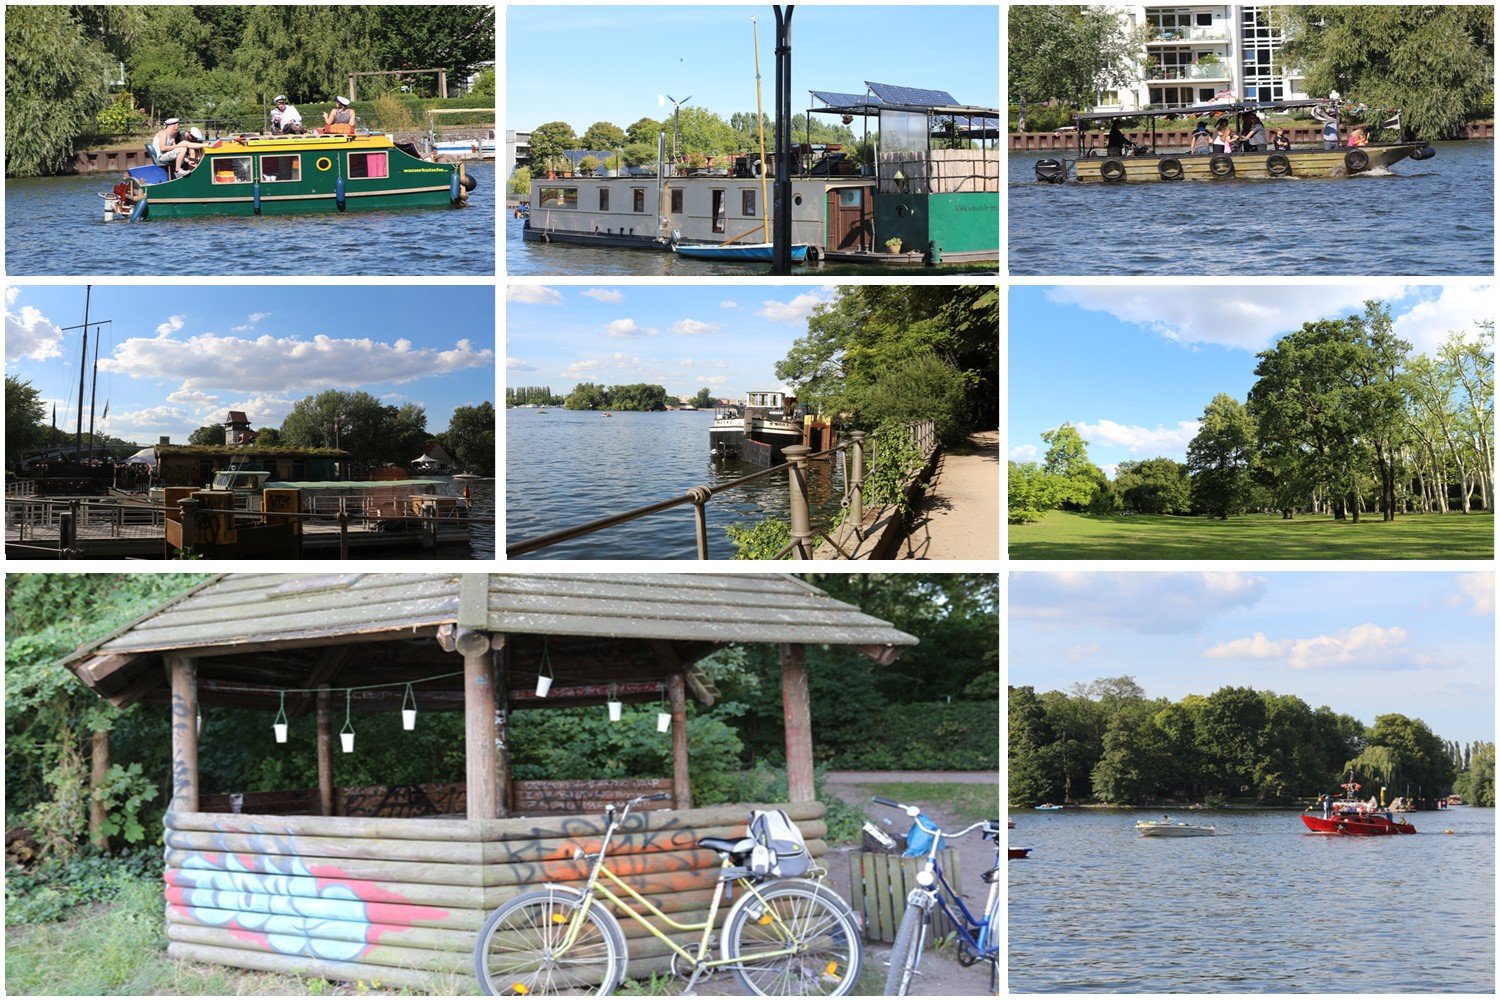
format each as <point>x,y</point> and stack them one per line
<point>920,432</point>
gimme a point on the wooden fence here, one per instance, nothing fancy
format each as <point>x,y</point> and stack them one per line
<point>878,884</point>
<point>395,801</point>
<point>402,900</point>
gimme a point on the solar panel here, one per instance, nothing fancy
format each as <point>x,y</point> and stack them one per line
<point>835,99</point>
<point>891,94</point>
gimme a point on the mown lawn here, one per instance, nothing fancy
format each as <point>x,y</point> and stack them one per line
<point>1067,535</point>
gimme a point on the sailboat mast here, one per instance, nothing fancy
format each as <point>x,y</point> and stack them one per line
<point>760,120</point>
<point>83,367</point>
<point>93,394</point>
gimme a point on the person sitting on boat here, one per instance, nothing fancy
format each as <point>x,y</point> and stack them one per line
<point>1360,136</point>
<point>285,118</point>
<point>192,151</point>
<point>1201,141</point>
<point>1279,140</point>
<point>164,147</point>
<point>1330,120</point>
<point>1255,138</point>
<point>341,114</point>
<point>1116,140</point>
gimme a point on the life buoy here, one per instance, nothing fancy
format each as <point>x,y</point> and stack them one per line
<point>1112,170</point>
<point>324,164</point>
<point>1221,165</point>
<point>1278,165</point>
<point>1356,160</point>
<point>1169,169</point>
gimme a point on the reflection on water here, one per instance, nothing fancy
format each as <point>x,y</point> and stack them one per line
<point>1378,225</point>
<point>561,258</point>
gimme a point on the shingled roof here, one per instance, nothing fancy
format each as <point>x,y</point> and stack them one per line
<point>254,634</point>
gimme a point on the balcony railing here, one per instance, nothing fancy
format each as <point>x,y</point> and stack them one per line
<point>1198,72</point>
<point>1210,34</point>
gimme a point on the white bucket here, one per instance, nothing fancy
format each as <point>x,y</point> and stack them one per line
<point>348,740</point>
<point>280,728</point>
<point>615,707</point>
<point>543,685</point>
<point>408,719</point>
<point>663,721</point>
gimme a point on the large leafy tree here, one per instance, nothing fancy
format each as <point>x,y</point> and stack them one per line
<point>365,427</point>
<point>1154,486</point>
<point>306,52</point>
<point>455,37</point>
<point>1433,61</point>
<point>471,437</point>
<point>24,414</point>
<point>1218,458</point>
<point>56,80</point>
<point>548,142</point>
<point>603,136</point>
<point>1066,51</point>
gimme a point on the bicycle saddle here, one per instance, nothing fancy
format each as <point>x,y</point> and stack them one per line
<point>731,847</point>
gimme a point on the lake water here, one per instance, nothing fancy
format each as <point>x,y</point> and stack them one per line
<point>1430,217</point>
<point>1264,907</point>
<point>561,258</point>
<point>54,226</point>
<point>566,467</point>
<point>482,513</point>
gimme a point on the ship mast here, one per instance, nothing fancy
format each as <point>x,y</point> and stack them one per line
<point>83,367</point>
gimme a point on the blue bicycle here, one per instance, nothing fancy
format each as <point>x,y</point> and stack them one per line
<point>978,938</point>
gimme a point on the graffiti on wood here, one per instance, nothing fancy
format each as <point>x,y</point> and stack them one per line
<point>586,795</point>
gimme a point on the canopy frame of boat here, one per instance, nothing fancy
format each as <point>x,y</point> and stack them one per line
<point>1145,162</point>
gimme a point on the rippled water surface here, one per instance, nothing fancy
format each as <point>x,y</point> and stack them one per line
<point>565,467</point>
<point>53,226</point>
<point>561,258</point>
<point>1430,217</point>
<point>1264,907</point>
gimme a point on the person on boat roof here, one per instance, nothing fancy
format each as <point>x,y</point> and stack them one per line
<point>285,118</point>
<point>340,114</point>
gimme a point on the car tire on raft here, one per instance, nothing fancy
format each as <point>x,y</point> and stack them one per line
<point>1221,166</point>
<point>1425,153</point>
<point>1112,170</point>
<point>1169,169</point>
<point>1278,165</point>
<point>1356,160</point>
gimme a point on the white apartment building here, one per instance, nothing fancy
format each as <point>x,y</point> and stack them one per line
<point>1196,52</point>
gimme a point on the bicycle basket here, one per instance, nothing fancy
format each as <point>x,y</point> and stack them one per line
<point>780,851</point>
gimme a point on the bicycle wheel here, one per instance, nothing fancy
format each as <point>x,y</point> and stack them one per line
<point>906,953</point>
<point>518,951</point>
<point>812,922</point>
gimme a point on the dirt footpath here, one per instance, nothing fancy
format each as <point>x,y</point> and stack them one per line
<point>959,518</point>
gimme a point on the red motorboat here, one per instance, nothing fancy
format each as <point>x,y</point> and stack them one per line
<point>1016,853</point>
<point>1351,817</point>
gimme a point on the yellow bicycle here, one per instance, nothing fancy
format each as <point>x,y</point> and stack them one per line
<point>782,937</point>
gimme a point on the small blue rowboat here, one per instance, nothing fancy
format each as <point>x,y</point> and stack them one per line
<point>738,251</point>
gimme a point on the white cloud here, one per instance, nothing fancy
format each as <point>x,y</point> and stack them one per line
<point>194,398</point>
<point>1023,453</point>
<point>625,362</point>
<point>1149,603</point>
<point>795,311</point>
<point>269,363</point>
<point>580,368</point>
<point>170,327</point>
<point>1478,590</point>
<point>628,328</point>
<point>29,334</point>
<point>713,379</point>
<point>11,291</point>
<point>533,295</point>
<point>517,365</point>
<point>729,304</point>
<point>1247,317</point>
<point>604,294</point>
<point>1364,646</point>
<point>693,326</point>
<point>1455,309</point>
<point>1141,440</point>
<point>1079,653</point>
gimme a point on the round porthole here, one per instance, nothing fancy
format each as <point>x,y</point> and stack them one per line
<point>324,163</point>
<point>797,199</point>
<point>902,211</point>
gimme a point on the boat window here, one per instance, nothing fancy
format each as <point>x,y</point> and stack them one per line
<point>747,202</point>
<point>677,201</point>
<point>604,199</point>
<point>281,168</point>
<point>851,197</point>
<point>368,165</point>
<point>232,170</point>
<point>559,197</point>
<point>718,211</point>
<point>638,200</point>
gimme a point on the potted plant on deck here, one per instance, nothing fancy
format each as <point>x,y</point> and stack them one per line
<point>893,245</point>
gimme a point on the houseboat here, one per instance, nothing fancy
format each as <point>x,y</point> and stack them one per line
<point>757,430</point>
<point>906,205</point>
<point>1130,161</point>
<point>386,499</point>
<point>283,174</point>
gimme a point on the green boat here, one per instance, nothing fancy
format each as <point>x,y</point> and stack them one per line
<point>1133,162</point>
<point>284,174</point>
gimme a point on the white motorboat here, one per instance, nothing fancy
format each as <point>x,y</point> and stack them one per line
<point>1167,828</point>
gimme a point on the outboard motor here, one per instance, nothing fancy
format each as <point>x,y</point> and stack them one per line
<point>1050,170</point>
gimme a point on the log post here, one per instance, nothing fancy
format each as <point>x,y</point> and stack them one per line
<point>325,750</point>
<point>798,718</point>
<point>479,731</point>
<point>682,784</point>
<point>183,671</point>
<point>97,776</point>
<point>499,675</point>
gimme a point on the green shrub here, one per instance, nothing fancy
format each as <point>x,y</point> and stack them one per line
<point>762,540</point>
<point>927,736</point>
<point>52,888</point>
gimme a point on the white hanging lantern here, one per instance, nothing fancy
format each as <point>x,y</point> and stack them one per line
<point>616,707</point>
<point>663,716</point>
<point>409,711</point>
<point>279,726</point>
<point>544,674</point>
<point>346,735</point>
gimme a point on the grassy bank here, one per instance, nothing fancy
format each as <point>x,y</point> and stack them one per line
<point>969,803</point>
<point>1067,535</point>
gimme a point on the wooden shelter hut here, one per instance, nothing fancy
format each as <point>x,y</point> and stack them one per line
<point>400,899</point>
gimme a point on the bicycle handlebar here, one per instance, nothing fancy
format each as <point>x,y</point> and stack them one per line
<point>915,812</point>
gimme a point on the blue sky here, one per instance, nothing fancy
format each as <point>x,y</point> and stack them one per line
<point>177,357</point>
<point>582,65</point>
<point>1364,643</point>
<point>727,338</point>
<point>1134,367</point>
